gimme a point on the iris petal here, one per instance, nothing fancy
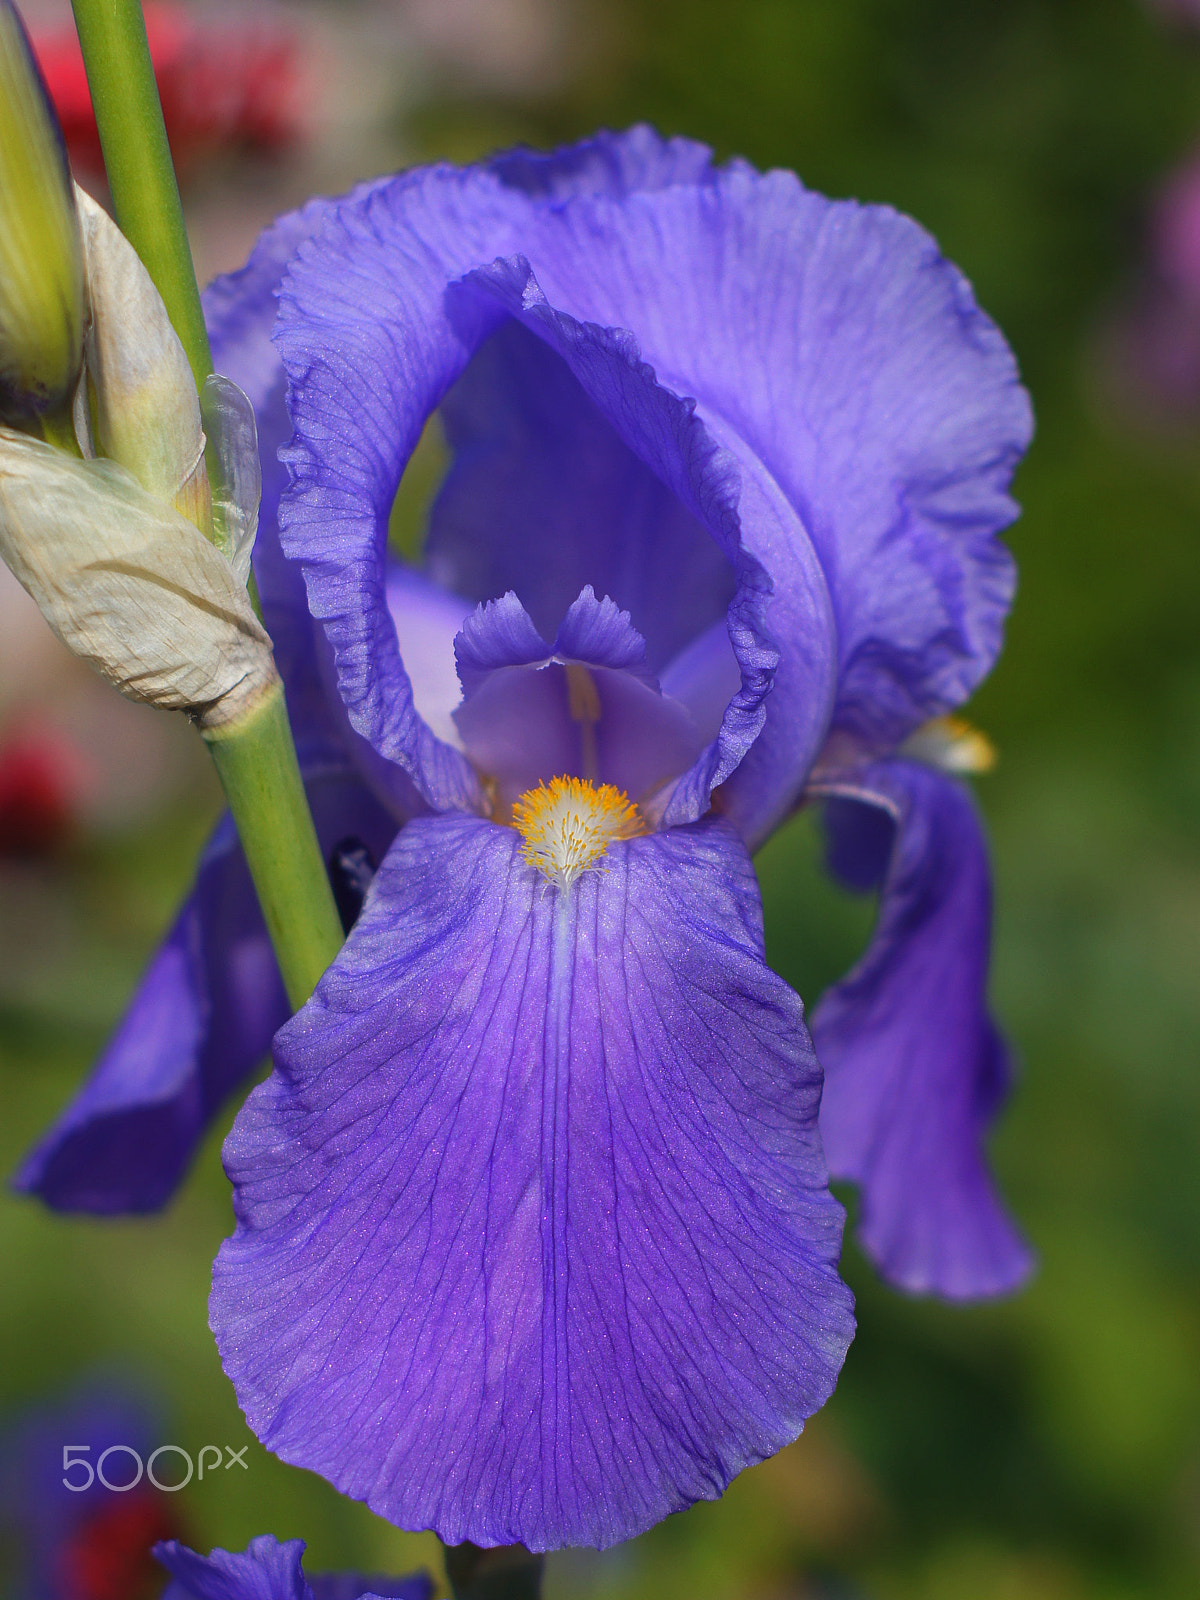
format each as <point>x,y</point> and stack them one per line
<point>201,1020</point>
<point>608,163</point>
<point>915,1068</point>
<point>370,346</point>
<point>266,1570</point>
<point>428,620</point>
<point>271,1570</point>
<point>599,634</point>
<point>375,325</point>
<point>200,1023</point>
<point>534,1241</point>
<point>843,362</point>
<point>544,497</point>
<point>872,410</point>
<point>498,634</point>
<point>240,309</point>
<point>585,707</point>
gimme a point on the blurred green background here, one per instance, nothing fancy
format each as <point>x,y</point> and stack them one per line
<point>1045,1448</point>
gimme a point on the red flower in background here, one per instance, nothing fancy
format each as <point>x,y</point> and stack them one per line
<point>108,1556</point>
<point>223,84</point>
<point>43,778</point>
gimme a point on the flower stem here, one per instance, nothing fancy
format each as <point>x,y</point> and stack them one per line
<point>255,758</point>
<point>256,762</point>
<point>137,158</point>
<point>508,1572</point>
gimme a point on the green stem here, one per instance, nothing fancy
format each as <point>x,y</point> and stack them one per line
<point>255,759</point>
<point>256,762</point>
<point>508,1572</point>
<point>137,158</point>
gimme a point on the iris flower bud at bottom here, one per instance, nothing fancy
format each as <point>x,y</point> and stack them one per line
<point>41,258</point>
<point>269,1569</point>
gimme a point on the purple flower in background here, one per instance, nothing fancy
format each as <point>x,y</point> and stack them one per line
<point>1152,343</point>
<point>270,1570</point>
<point>534,1236</point>
<point>1183,11</point>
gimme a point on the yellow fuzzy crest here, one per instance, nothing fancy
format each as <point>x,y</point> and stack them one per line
<point>569,824</point>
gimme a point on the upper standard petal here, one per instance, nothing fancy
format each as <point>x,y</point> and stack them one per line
<point>379,315</point>
<point>240,307</point>
<point>844,363</point>
<point>240,310</point>
<point>872,411</point>
<point>370,346</point>
<point>534,1241</point>
<point>620,163</point>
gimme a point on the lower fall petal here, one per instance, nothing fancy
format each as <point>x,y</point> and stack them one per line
<point>534,1237</point>
<point>201,1020</point>
<point>915,1068</point>
<point>199,1024</point>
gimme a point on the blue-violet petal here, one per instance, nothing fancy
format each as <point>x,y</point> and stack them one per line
<point>534,1237</point>
<point>915,1068</point>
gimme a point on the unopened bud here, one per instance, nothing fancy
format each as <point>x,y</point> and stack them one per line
<point>129,585</point>
<point>147,410</point>
<point>41,260</point>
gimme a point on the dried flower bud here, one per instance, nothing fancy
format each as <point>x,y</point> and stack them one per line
<point>41,260</point>
<point>129,585</point>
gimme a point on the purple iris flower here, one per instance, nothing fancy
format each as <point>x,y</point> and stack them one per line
<point>270,1570</point>
<point>534,1240</point>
